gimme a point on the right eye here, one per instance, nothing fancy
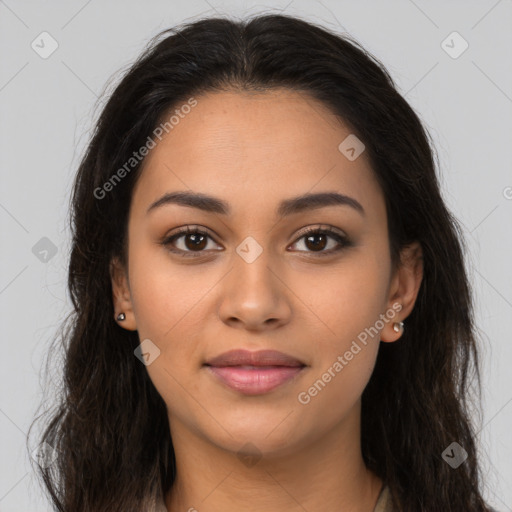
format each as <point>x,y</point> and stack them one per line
<point>192,240</point>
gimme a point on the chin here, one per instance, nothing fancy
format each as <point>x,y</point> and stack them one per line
<point>269,436</point>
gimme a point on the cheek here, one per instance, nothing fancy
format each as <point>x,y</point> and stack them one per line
<point>168,309</point>
<point>171,307</point>
<point>346,305</point>
<point>345,349</point>
<point>346,300</point>
<point>165,295</point>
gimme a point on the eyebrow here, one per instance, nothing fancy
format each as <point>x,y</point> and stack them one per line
<point>287,207</point>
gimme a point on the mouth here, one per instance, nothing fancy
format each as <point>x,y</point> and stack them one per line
<point>255,380</point>
<point>254,373</point>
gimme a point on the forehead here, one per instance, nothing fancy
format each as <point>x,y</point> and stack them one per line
<point>259,147</point>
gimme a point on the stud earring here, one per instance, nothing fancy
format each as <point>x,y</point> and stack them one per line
<point>121,317</point>
<point>398,326</point>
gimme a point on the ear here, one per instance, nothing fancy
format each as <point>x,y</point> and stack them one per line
<point>121,295</point>
<point>404,289</point>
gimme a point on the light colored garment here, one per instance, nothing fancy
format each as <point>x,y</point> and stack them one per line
<point>383,502</point>
<point>158,506</point>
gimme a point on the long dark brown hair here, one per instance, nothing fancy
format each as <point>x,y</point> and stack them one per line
<point>109,429</point>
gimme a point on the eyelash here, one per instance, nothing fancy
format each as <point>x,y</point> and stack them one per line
<point>341,239</point>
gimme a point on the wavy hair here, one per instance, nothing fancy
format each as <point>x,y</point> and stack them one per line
<point>109,429</point>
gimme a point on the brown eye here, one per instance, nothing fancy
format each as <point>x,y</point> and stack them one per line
<point>192,242</point>
<point>316,242</point>
<point>318,239</point>
<point>187,242</point>
<point>195,241</point>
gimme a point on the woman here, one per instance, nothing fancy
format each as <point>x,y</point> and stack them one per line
<point>271,305</point>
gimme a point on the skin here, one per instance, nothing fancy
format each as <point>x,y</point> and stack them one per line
<point>254,150</point>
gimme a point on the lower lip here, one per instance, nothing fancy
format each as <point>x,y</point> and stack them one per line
<point>256,380</point>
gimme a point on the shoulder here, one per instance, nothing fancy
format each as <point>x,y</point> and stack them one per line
<point>384,503</point>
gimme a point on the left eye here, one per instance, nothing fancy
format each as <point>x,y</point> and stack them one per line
<point>315,240</point>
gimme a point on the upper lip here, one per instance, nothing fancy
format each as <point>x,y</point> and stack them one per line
<point>249,358</point>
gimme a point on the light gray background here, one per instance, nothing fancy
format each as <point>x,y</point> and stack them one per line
<point>47,111</point>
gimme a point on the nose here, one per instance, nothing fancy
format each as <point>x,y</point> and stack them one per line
<point>255,296</point>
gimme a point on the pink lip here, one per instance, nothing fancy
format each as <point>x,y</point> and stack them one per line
<point>242,357</point>
<point>254,373</point>
<point>255,380</point>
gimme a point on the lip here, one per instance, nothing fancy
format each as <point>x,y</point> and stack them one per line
<point>249,358</point>
<point>254,373</point>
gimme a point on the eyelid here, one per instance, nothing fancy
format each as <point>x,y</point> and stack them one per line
<point>327,228</point>
<point>191,228</point>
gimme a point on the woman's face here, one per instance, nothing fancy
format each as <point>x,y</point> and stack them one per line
<point>257,281</point>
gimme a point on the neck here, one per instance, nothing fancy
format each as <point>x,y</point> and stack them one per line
<point>326,474</point>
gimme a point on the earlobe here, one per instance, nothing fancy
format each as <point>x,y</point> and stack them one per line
<point>404,290</point>
<point>121,296</point>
